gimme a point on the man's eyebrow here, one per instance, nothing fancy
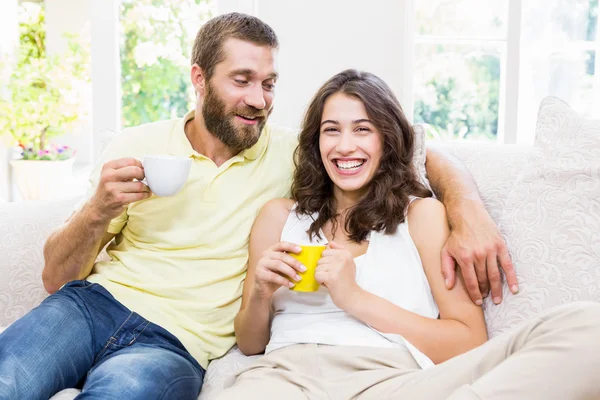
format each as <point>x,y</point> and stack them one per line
<point>241,71</point>
<point>249,72</point>
<point>330,121</point>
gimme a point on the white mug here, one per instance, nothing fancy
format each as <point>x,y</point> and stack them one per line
<point>166,175</point>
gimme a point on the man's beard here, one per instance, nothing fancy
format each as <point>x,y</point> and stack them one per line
<point>220,123</point>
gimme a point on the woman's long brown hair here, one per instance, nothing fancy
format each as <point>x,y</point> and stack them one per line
<point>385,202</point>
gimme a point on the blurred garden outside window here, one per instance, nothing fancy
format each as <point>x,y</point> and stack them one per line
<point>481,67</point>
<point>156,43</point>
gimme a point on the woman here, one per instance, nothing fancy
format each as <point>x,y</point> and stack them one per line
<point>383,325</point>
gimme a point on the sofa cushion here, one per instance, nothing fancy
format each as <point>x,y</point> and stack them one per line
<point>24,228</point>
<point>551,219</point>
<point>493,167</point>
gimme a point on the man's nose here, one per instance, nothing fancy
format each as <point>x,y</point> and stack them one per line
<point>255,98</point>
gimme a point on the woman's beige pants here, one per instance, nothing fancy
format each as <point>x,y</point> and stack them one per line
<point>553,356</point>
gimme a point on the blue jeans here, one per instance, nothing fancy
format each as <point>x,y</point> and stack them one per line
<point>82,337</point>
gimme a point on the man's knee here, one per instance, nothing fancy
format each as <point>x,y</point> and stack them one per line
<point>147,373</point>
<point>8,376</point>
<point>185,387</point>
<point>16,382</point>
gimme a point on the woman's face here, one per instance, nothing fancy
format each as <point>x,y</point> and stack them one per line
<point>350,144</point>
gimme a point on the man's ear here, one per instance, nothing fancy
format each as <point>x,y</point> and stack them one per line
<point>198,79</point>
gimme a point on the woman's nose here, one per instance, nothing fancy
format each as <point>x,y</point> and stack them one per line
<point>346,143</point>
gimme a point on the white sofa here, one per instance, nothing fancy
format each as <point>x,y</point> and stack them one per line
<point>501,175</point>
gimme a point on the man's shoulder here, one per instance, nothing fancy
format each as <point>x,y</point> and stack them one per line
<point>278,130</point>
<point>282,140</point>
<point>141,139</point>
<point>150,130</point>
<point>282,133</point>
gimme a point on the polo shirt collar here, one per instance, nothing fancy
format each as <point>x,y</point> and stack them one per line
<point>179,145</point>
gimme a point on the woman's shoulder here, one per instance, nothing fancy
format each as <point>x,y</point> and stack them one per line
<point>424,215</point>
<point>272,218</point>
<point>276,210</point>
<point>423,206</point>
<point>279,205</point>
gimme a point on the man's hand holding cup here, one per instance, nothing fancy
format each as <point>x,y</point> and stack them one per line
<point>119,186</point>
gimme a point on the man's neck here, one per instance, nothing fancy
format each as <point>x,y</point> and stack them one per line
<point>206,143</point>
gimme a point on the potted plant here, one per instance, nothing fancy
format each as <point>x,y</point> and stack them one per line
<point>40,101</point>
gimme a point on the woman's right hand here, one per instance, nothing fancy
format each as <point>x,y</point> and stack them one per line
<point>276,268</point>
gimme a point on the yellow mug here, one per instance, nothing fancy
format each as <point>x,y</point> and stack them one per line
<point>309,256</point>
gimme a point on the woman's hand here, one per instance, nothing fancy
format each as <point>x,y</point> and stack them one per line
<point>336,271</point>
<point>276,268</point>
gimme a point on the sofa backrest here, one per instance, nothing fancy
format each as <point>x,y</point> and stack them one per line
<point>25,226</point>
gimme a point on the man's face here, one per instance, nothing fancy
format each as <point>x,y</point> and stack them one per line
<point>238,98</point>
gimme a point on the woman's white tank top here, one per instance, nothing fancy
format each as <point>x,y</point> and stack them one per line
<point>391,268</point>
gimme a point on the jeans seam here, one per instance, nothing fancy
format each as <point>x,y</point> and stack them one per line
<point>101,352</point>
<point>112,339</point>
<point>162,396</point>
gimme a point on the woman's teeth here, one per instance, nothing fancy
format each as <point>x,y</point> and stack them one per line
<point>347,165</point>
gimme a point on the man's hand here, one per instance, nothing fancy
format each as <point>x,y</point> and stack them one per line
<point>336,271</point>
<point>476,245</point>
<point>117,187</point>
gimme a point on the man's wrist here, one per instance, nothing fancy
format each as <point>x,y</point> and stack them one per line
<point>95,216</point>
<point>464,211</point>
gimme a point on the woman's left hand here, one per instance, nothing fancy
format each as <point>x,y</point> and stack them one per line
<point>336,271</point>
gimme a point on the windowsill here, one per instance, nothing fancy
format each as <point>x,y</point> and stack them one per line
<point>76,186</point>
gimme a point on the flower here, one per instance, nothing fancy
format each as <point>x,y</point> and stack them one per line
<point>54,153</point>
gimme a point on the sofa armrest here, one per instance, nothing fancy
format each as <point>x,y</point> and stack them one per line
<point>24,228</point>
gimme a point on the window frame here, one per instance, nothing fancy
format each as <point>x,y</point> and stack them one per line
<point>509,131</point>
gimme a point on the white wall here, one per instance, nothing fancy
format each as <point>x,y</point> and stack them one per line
<point>72,16</point>
<point>9,39</point>
<point>106,71</point>
<point>9,33</point>
<point>321,38</point>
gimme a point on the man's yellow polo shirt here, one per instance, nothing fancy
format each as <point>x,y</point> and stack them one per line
<point>180,261</point>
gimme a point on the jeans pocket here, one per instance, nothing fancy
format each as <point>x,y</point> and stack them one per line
<point>77,284</point>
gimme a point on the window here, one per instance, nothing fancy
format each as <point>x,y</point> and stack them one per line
<point>481,67</point>
<point>156,43</point>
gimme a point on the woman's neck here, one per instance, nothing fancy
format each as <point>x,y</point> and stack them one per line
<point>345,200</point>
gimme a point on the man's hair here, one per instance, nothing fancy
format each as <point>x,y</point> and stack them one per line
<point>386,200</point>
<point>208,46</point>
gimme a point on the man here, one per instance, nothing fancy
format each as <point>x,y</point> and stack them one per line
<point>145,324</point>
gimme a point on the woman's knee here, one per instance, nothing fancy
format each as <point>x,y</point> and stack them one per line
<point>581,318</point>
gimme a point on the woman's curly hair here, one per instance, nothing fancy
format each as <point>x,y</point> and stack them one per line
<point>385,202</point>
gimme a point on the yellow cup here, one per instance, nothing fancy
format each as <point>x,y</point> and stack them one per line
<point>309,256</point>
